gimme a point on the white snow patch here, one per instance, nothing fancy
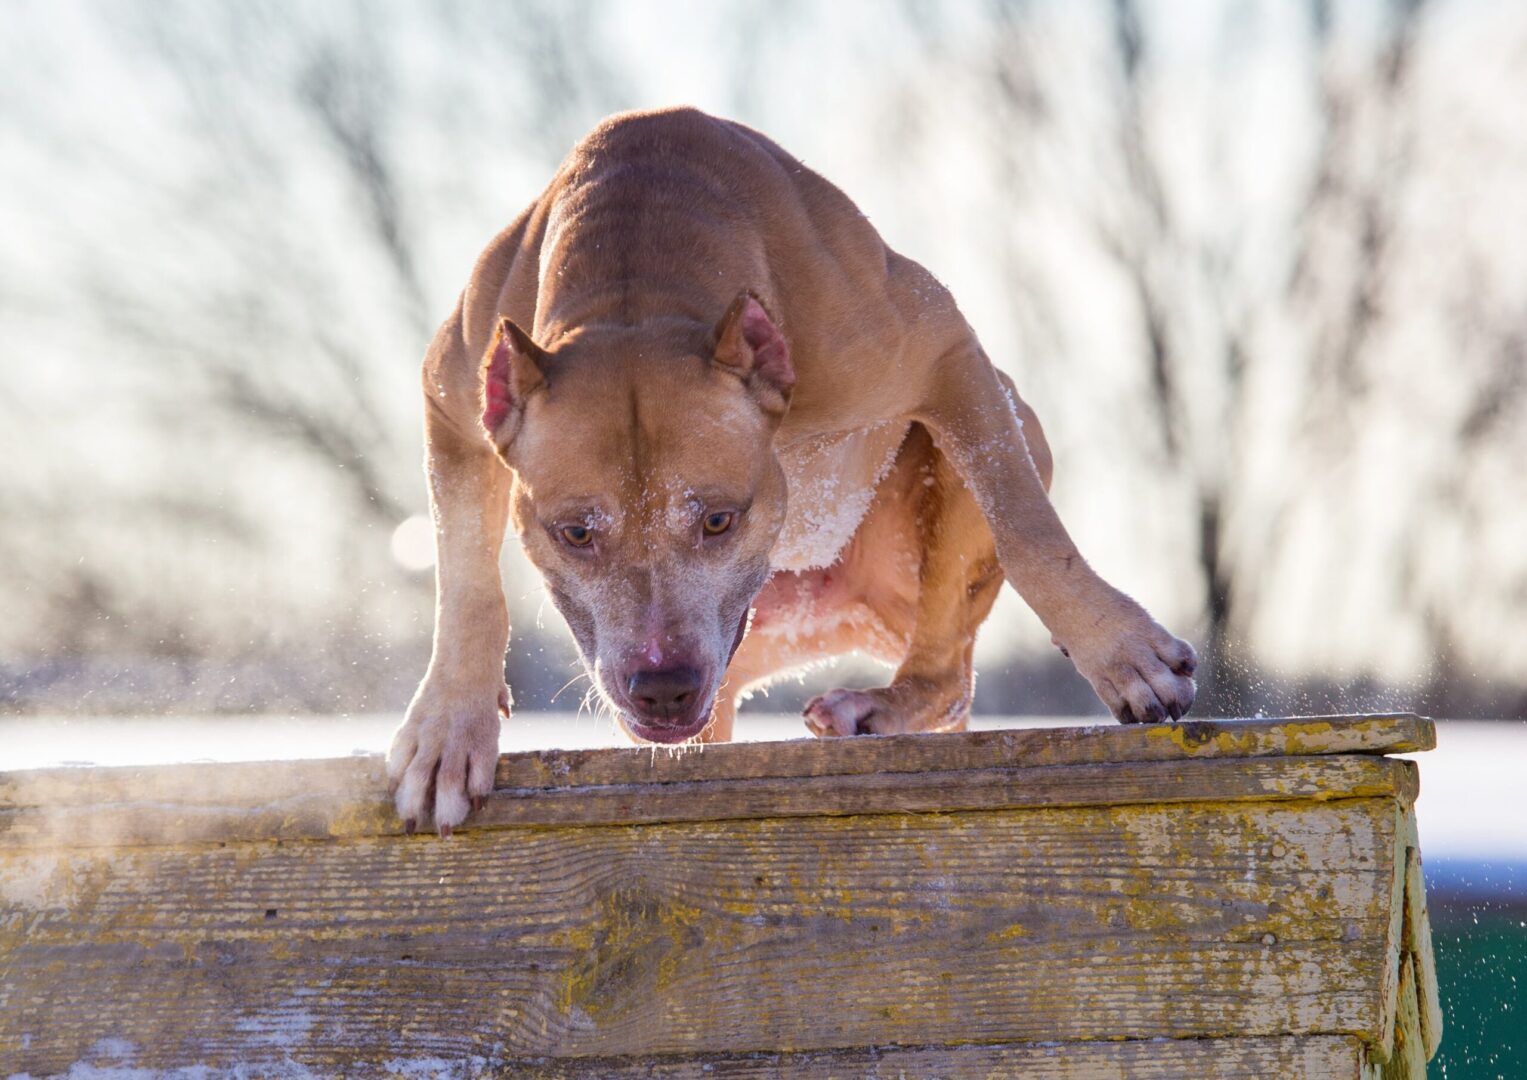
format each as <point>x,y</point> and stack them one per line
<point>26,884</point>
<point>435,1068</point>
<point>113,1047</point>
<point>285,1026</point>
<point>832,482</point>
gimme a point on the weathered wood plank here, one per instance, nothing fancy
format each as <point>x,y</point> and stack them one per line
<point>1321,1057</point>
<point>770,935</point>
<point>1418,943</point>
<point>163,818</point>
<point>1394,933</point>
<point>252,783</point>
<point>233,783</point>
<point>1408,1058</point>
<point>1090,745</point>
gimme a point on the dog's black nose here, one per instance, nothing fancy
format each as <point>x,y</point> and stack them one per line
<point>665,694</point>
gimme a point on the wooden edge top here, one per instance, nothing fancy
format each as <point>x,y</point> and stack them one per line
<point>1099,765</point>
<point>363,810</point>
<point>1013,747</point>
<point>260,782</point>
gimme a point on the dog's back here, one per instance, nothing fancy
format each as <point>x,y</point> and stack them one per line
<point>668,213</point>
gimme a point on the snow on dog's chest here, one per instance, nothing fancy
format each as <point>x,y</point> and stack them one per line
<point>832,483</point>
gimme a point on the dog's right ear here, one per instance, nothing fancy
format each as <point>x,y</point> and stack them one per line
<point>747,343</point>
<point>511,371</point>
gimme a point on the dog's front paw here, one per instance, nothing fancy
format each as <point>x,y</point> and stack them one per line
<point>1140,671</point>
<point>444,755</point>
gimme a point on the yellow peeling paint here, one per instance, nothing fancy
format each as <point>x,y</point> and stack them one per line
<point>1290,738</point>
<point>361,819</point>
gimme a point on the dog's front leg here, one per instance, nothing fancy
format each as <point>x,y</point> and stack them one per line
<point>444,755</point>
<point>1139,670</point>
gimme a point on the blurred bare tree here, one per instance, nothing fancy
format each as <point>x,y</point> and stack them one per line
<point>297,373</point>
<point>1231,302</point>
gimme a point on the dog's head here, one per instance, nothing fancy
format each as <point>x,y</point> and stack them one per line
<point>648,494</point>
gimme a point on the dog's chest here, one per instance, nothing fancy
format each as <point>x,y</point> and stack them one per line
<point>832,483</point>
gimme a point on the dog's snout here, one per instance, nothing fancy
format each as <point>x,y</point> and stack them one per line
<point>665,694</point>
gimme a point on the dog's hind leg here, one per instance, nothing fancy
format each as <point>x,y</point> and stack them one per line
<point>958,581</point>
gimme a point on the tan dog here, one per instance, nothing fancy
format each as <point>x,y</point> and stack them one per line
<point>701,385</point>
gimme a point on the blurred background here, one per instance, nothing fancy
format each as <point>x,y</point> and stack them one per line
<point>1259,266</point>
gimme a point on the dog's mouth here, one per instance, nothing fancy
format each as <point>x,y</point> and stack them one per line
<point>673,727</point>
<point>669,732</point>
<point>665,734</point>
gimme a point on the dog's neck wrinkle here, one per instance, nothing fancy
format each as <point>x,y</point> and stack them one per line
<point>603,339</point>
<point>623,305</point>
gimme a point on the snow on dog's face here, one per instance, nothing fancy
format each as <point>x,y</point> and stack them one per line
<point>648,494</point>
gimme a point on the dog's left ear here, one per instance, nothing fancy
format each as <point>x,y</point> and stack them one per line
<point>747,343</point>
<point>513,369</point>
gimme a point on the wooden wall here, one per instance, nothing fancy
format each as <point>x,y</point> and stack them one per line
<point>1208,899</point>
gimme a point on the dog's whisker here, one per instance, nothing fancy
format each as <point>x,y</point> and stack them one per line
<point>586,705</point>
<point>575,678</point>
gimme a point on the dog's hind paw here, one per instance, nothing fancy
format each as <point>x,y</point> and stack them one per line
<point>841,712</point>
<point>444,755</point>
<point>905,706</point>
<point>886,710</point>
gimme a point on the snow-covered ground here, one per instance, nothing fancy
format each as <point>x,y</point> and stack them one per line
<point>1473,806</point>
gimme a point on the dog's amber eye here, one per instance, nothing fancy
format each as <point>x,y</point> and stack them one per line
<point>717,523</point>
<point>578,535</point>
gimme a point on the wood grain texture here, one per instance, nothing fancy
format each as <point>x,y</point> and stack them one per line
<point>1418,944</point>
<point>253,805</point>
<point>1321,1057</point>
<point>1408,1058</point>
<point>1394,933</point>
<point>737,936</point>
